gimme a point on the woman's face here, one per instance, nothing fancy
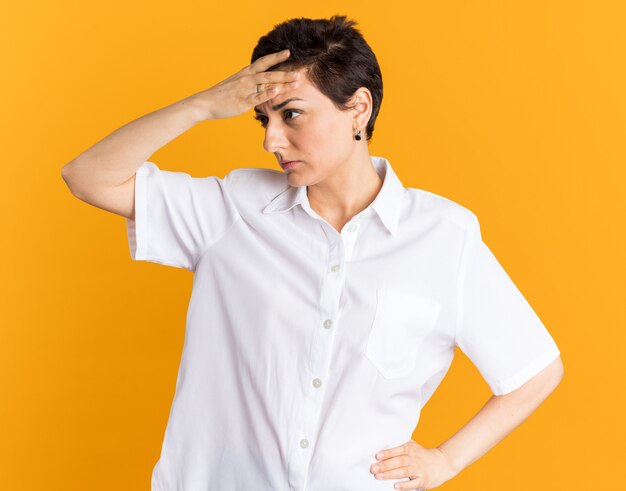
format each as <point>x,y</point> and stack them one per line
<point>310,130</point>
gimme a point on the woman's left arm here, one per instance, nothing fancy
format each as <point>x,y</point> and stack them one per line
<point>500,416</point>
<point>431,467</point>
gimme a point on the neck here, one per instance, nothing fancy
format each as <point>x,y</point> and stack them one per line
<point>347,192</point>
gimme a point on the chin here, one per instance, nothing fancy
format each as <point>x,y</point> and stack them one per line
<point>294,179</point>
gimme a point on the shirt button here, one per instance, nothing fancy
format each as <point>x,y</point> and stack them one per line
<point>335,268</point>
<point>328,323</point>
<point>317,382</point>
<point>351,227</point>
<point>304,443</point>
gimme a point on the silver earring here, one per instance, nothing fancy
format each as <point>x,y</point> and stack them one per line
<point>357,135</point>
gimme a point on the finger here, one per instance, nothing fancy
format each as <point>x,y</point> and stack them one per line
<point>413,484</point>
<point>268,93</point>
<point>394,473</point>
<point>277,88</point>
<point>267,61</point>
<point>392,452</point>
<point>275,77</point>
<point>389,464</point>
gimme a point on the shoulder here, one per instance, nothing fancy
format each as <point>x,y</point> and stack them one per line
<point>257,174</point>
<point>424,201</point>
<point>255,183</point>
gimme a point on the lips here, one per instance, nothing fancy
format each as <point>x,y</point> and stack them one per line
<point>288,165</point>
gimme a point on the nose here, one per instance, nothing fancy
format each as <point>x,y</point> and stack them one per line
<point>275,138</point>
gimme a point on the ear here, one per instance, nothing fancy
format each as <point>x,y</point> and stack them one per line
<point>362,107</point>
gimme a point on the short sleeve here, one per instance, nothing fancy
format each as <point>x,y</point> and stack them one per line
<point>177,217</point>
<point>496,327</point>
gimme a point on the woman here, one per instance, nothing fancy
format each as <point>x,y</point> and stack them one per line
<point>328,298</point>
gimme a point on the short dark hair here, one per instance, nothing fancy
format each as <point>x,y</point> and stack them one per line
<point>337,58</point>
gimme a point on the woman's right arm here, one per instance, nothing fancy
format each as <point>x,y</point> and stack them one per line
<point>104,175</point>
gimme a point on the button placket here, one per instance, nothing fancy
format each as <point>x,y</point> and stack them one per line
<point>349,234</point>
<point>321,349</point>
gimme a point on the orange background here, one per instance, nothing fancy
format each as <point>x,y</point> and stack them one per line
<point>515,110</point>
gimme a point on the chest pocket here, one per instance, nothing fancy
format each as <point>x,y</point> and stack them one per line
<point>401,322</point>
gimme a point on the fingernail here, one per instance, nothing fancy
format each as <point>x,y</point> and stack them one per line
<point>285,52</point>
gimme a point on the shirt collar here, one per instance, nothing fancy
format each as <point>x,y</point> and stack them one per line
<point>387,203</point>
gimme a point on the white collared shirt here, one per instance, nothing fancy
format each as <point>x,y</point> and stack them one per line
<point>308,350</point>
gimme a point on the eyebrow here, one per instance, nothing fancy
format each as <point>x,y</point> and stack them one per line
<point>281,105</point>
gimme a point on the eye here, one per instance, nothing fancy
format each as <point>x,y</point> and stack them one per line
<point>260,119</point>
<point>291,111</point>
<point>263,120</point>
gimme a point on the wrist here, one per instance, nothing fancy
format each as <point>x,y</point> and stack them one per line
<point>200,106</point>
<point>453,464</point>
